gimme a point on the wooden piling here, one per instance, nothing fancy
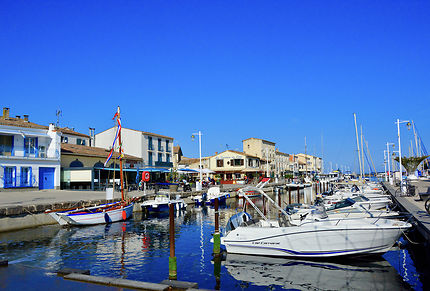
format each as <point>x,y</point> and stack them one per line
<point>173,275</point>
<point>298,194</point>
<point>217,236</point>
<point>289,195</point>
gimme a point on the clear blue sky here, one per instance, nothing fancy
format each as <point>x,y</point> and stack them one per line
<point>276,70</point>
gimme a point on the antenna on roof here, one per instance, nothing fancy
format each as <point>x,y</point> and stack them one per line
<point>58,113</point>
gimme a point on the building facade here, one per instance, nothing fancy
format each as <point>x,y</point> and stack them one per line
<point>263,149</point>
<point>154,150</point>
<point>233,166</point>
<point>29,154</point>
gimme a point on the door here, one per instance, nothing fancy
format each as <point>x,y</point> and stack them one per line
<point>46,178</point>
<point>9,177</point>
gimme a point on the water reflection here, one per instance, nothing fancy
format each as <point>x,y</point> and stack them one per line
<point>287,273</point>
<point>138,249</point>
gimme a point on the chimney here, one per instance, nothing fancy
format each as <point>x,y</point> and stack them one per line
<point>26,117</point>
<point>18,116</point>
<point>5,112</point>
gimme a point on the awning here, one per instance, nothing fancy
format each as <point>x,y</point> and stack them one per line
<point>162,170</point>
<point>187,171</point>
<point>251,170</point>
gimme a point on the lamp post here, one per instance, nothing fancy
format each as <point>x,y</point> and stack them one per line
<point>199,185</point>
<point>389,158</point>
<point>400,150</point>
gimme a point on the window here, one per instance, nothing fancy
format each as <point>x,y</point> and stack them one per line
<point>25,177</point>
<point>167,146</point>
<point>160,157</point>
<point>150,159</point>
<point>236,162</point>
<point>42,152</point>
<point>30,146</point>
<point>76,164</point>
<point>150,147</point>
<point>160,147</point>
<point>64,139</point>
<point>80,141</point>
<point>6,145</point>
<point>220,163</point>
<point>168,158</point>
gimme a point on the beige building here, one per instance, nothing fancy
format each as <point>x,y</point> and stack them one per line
<point>263,149</point>
<point>177,156</point>
<point>282,162</point>
<point>309,164</point>
<point>233,166</point>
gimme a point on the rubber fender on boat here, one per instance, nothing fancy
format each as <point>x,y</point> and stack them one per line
<point>107,218</point>
<point>124,215</point>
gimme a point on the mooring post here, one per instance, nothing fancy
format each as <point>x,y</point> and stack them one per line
<point>279,201</point>
<point>289,195</point>
<point>172,259</point>
<point>217,236</point>
<point>298,194</point>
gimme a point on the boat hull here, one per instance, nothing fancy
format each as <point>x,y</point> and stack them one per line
<point>108,216</point>
<point>316,239</point>
<point>162,207</point>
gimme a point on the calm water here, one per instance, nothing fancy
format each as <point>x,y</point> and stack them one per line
<point>139,249</point>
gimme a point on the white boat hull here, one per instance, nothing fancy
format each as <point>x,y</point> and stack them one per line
<point>317,239</point>
<point>67,218</point>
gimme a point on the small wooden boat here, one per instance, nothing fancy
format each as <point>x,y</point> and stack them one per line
<point>103,213</point>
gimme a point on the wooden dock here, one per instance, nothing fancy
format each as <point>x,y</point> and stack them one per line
<point>414,206</point>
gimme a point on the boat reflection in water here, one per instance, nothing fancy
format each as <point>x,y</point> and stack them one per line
<point>301,274</point>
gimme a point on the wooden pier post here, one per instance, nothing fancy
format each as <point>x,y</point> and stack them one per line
<point>298,194</point>
<point>289,195</point>
<point>173,275</point>
<point>217,236</point>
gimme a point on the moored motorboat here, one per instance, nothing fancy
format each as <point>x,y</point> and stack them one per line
<point>209,197</point>
<point>324,237</point>
<point>161,203</point>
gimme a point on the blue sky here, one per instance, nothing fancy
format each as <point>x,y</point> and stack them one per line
<point>276,70</point>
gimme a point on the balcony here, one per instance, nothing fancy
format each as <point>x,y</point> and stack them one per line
<point>164,164</point>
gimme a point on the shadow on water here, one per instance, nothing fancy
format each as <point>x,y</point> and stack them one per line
<point>138,249</point>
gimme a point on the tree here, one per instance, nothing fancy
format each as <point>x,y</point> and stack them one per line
<point>411,163</point>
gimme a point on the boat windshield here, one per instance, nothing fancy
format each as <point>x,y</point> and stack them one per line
<point>237,220</point>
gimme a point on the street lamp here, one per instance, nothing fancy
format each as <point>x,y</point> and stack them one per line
<point>199,185</point>
<point>400,149</point>
<point>389,158</point>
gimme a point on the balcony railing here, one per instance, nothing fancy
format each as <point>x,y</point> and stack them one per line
<point>164,164</point>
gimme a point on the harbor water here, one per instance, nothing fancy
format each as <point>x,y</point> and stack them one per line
<point>138,249</point>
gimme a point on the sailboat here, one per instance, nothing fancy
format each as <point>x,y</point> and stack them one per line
<point>102,213</point>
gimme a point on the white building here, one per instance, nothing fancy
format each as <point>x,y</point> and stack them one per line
<point>29,154</point>
<point>155,150</point>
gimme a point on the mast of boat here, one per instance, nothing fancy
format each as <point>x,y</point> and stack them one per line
<point>121,175</point>
<point>362,151</point>
<point>358,146</point>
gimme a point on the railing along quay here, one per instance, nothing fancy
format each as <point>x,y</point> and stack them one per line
<point>415,208</point>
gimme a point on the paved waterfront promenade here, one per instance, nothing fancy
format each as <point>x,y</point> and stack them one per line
<point>415,206</point>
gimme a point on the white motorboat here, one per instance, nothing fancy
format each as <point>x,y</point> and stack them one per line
<point>368,203</point>
<point>209,197</point>
<point>318,238</point>
<point>161,203</point>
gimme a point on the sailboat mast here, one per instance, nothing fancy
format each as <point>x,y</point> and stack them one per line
<point>120,159</point>
<point>358,145</point>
